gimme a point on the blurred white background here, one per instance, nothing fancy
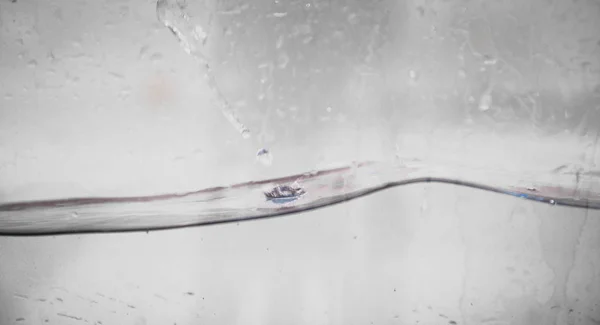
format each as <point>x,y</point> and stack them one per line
<point>98,98</point>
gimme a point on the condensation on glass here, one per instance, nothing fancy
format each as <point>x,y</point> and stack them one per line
<point>172,113</point>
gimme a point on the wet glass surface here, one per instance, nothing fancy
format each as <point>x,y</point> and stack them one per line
<point>181,96</point>
<point>145,115</point>
<point>108,100</point>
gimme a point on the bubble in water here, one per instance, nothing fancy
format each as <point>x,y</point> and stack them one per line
<point>264,157</point>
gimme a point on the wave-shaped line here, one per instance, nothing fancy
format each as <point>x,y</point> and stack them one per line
<point>172,211</point>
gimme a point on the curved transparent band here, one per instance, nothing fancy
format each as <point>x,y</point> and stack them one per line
<point>248,201</point>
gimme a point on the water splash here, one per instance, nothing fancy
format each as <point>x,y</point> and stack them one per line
<point>282,194</point>
<point>193,39</point>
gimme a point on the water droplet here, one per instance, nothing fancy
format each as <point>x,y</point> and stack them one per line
<point>124,93</point>
<point>200,33</point>
<point>485,102</point>
<point>156,57</point>
<point>143,51</point>
<point>552,202</point>
<point>74,215</point>
<point>329,109</point>
<point>245,133</point>
<point>279,42</point>
<point>489,60</point>
<point>32,63</point>
<point>264,157</point>
<point>414,76</point>
<point>283,60</point>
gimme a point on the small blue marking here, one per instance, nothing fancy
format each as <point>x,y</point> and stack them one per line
<point>283,200</point>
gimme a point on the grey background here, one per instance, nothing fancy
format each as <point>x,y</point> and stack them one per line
<point>98,98</point>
